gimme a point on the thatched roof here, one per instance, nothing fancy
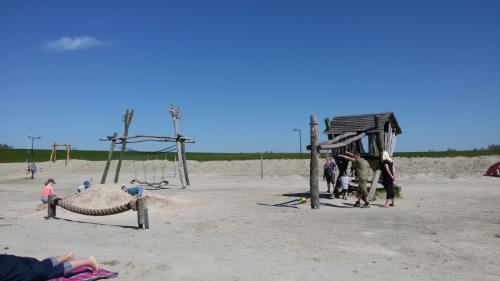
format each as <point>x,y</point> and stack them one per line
<point>362,123</point>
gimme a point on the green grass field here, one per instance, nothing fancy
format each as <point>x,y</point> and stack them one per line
<point>20,155</point>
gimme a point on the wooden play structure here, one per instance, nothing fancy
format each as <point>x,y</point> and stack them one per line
<point>53,154</point>
<point>179,147</point>
<point>346,133</point>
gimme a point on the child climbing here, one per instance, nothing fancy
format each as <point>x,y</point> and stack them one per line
<point>134,190</point>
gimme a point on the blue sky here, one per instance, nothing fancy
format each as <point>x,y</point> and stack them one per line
<point>245,73</point>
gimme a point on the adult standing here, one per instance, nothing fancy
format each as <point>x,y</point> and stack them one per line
<point>388,178</point>
<point>33,169</point>
<point>361,166</point>
<point>329,173</point>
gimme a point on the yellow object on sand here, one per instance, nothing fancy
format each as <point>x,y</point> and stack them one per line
<point>302,200</point>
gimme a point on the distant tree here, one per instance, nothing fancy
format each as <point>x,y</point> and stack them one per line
<point>493,147</point>
<point>451,149</point>
<point>5,146</point>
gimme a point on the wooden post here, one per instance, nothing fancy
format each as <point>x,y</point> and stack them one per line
<point>314,168</point>
<point>184,162</point>
<point>51,208</point>
<point>261,167</point>
<point>175,166</point>
<point>373,186</point>
<point>328,127</point>
<point>110,157</point>
<point>140,213</point>
<point>380,147</point>
<point>68,150</point>
<point>52,153</point>
<point>175,118</point>
<point>128,119</point>
<point>146,214</point>
<point>55,153</point>
<point>380,136</point>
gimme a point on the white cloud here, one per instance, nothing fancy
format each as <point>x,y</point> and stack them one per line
<point>73,44</point>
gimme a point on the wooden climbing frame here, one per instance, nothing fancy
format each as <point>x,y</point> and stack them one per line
<point>179,139</point>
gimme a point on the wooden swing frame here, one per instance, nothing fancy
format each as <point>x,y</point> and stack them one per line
<point>53,154</point>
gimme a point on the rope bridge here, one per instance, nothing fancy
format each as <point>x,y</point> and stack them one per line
<point>95,212</point>
<point>137,204</point>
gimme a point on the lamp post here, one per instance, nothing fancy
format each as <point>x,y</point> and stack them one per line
<point>300,139</point>
<point>32,139</point>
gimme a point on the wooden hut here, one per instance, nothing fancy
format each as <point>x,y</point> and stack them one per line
<point>347,133</point>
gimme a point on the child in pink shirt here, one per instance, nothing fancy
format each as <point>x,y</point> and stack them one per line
<point>47,190</point>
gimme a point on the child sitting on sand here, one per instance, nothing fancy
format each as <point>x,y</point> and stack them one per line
<point>344,183</point>
<point>47,190</point>
<point>134,191</point>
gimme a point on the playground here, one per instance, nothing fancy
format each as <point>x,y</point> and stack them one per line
<point>230,224</point>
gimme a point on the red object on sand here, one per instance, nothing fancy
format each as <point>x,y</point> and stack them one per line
<point>85,273</point>
<point>493,170</point>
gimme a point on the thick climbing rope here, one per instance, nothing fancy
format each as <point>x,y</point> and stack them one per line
<point>96,212</point>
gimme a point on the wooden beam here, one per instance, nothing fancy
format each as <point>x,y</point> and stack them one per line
<point>344,143</point>
<point>68,149</point>
<point>184,162</point>
<point>108,162</point>
<point>337,138</point>
<point>154,137</point>
<point>314,165</point>
<point>380,136</point>
<point>153,140</point>
<point>328,126</point>
<point>52,153</point>
<point>175,112</point>
<point>127,120</point>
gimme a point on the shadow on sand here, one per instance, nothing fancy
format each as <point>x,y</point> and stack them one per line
<point>322,195</point>
<point>96,223</point>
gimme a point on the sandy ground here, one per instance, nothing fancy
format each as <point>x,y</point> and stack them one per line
<point>227,226</point>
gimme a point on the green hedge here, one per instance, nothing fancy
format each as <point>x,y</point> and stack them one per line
<point>20,155</point>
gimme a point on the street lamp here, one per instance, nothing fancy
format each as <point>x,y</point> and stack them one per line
<point>32,139</point>
<point>300,139</point>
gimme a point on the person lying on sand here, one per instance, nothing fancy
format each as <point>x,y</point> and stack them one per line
<point>47,190</point>
<point>31,269</point>
<point>85,185</point>
<point>134,190</point>
<point>362,166</point>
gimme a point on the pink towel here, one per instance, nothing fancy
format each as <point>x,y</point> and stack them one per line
<point>84,273</point>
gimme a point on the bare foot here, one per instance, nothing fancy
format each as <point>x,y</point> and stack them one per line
<point>69,257</point>
<point>93,263</point>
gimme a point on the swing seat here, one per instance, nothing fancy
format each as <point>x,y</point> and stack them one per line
<point>151,184</point>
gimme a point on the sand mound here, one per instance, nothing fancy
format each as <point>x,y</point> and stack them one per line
<point>101,196</point>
